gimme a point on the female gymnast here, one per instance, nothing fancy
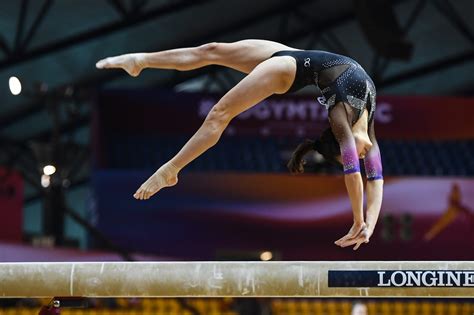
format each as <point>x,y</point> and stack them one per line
<point>273,68</point>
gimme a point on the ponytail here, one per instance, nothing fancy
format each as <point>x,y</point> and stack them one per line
<point>326,145</point>
<point>296,163</point>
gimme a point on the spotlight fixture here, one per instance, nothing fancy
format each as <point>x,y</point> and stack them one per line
<point>49,170</point>
<point>45,180</point>
<point>15,85</point>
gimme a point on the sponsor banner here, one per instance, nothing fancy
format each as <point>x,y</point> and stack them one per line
<point>11,205</point>
<point>401,278</point>
<point>397,117</point>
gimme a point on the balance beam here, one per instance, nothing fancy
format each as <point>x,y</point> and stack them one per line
<point>238,279</point>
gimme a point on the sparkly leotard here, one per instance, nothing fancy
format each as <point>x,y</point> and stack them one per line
<point>340,79</point>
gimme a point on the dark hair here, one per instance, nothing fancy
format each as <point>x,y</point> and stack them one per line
<point>326,145</point>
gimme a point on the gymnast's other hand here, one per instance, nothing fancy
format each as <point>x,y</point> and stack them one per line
<point>131,63</point>
<point>363,237</point>
<point>165,176</point>
<point>358,234</point>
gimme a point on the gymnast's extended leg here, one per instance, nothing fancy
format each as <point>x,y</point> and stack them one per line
<point>274,75</point>
<point>242,55</point>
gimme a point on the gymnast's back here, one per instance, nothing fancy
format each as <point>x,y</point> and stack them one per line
<point>339,78</point>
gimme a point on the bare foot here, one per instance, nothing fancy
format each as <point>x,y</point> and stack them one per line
<point>131,63</point>
<point>165,176</point>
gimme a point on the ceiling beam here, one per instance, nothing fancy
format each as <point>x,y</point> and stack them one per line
<point>427,69</point>
<point>129,21</point>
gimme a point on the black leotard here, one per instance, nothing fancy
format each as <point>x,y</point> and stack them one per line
<point>340,79</point>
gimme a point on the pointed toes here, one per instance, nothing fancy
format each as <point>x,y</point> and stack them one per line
<point>143,193</point>
<point>139,194</point>
<point>102,64</point>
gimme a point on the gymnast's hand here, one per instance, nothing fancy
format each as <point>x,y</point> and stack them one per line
<point>131,63</point>
<point>363,237</point>
<point>358,234</point>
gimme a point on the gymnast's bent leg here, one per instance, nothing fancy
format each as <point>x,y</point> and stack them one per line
<point>242,55</point>
<point>274,75</point>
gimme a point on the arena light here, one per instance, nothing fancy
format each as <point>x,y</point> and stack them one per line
<point>15,85</point>
<point>49,170</point>
<point>266,256</point>
<point>45,181</point>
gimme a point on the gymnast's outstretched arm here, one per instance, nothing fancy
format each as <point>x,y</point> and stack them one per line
<point>373,169</point>
<point>340,126</point>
